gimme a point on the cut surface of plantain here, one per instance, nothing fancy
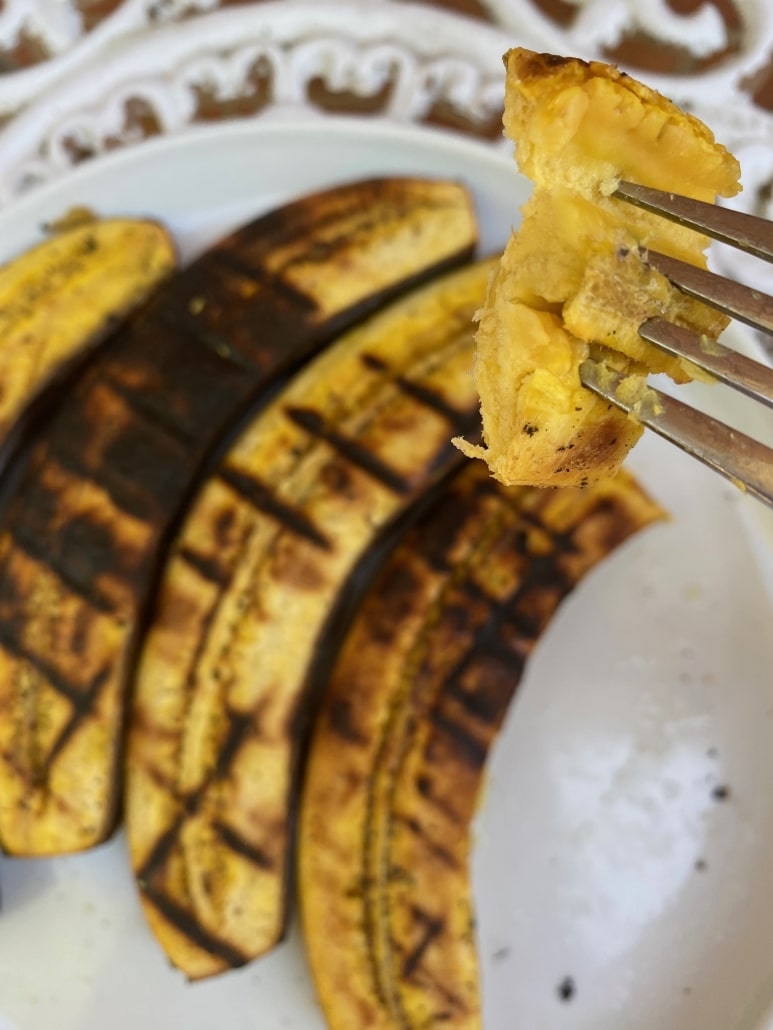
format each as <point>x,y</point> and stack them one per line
<point>96,494</point>
<point>69,292</point>
<point>271,547</point>
<point>418,692</point>
<point>572,282</point>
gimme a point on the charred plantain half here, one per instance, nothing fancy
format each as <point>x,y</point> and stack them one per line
<point>68,293</point>
<point>412,707</point>
<point>95,496</point>
<point>273,545</point>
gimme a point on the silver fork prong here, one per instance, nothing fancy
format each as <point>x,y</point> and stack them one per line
<point>747,232</point>
<point>728,366</point>
<point>733,298</point>
<point>744,461</point>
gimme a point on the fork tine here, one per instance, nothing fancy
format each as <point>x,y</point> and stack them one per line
<point>739,301</point>
<point>747,232</point>
<point>738,371</point>
<point>742,460</point>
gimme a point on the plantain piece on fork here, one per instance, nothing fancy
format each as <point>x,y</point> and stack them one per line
<point>745,461</point>
<point>571,285</point>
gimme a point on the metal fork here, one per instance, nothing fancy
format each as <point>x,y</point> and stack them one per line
<point>745,461</point>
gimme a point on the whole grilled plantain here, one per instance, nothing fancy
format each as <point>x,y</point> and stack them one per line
<point>96,495</point>
<point>271,547</point>
<point>413,705</point>
<point>66,294</point>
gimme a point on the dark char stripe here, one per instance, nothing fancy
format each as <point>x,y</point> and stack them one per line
<point>275,284</point>
<point>240,846</point>
<point>150,412</point>
<point>208,568</point>
<point>431,399</point>
<point>219,346</point>
<point>240,726</point>
<point>260,497</point>
<point>79,696</point>
<point>420,831</point>
<point>313,423</point>
<point>470,749</point>
<point>183,921</point>
<point>423,394</point>
<point>82,710</point>
<point>431,927</point>
<point>34,547</point>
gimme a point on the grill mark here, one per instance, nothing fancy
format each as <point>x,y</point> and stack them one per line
<point>141,406</point>
<point>544,573</point>
<point>374,363</point>
<point>425,787</point>
<point>277,285</point>
<point>424,395</point>
<point>433,400</point>
<point>236,843</point>
<point>313,423</point>
<point>77,696</point>
<point>438,851</point>
<point>432,927</point>
<point>129,496</point>
<point>98,681</point>
<point>239,725</point>
<point>208,568</point>
<point>190,927</point>
<point>262,499</point>
<point>167,840</point>
<point>30,545</point>
<point>216,345</point>
<point>472,752</point>
<point>161,849</point>
<point>341,719</point>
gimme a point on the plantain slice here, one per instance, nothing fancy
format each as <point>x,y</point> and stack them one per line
<point>66,294</point>
<point>412,707</point>
<point>270,548</point>
<point>95,496</point>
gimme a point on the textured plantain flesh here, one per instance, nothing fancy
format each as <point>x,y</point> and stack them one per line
<point>572,283</point>
<point>66,294</point>
<point>97,493</point>
<point>418,692</point>
<point>274,544</point>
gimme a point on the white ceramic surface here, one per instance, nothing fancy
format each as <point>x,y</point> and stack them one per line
<point>652,686</point>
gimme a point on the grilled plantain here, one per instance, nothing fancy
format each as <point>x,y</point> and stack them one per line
<point>97,493</point>
<point>415,700</point>
<point>572,283</point>
<point>66,294</point>
<point>272,545</point>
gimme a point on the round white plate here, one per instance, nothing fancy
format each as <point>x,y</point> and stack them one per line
<point>602,852</point>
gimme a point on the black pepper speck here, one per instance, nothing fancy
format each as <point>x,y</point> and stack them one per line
<point>566,990</point>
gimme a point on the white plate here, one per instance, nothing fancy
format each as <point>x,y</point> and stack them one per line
<point>652,686</point>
